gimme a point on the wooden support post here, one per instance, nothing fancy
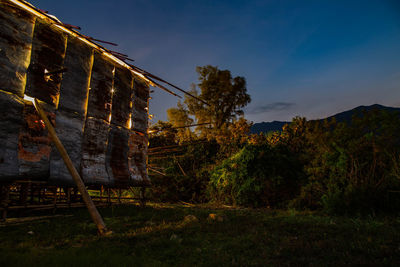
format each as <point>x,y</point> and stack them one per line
<point>23,193</point>
<point>94,213</point>
<point>75,199</point>
<point>142,197</point>
<point>39,194</point>
<point>69,196</point>
<point>55,199</point>
<point>109,196</point>
<point>4,200</point>
<point>101,193</point>
<point>32,193</point>
<point>119,195</point>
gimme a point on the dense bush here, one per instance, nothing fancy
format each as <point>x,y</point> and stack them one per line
<point>258,176</point>
<point>186,174</point>
<point>353,167</point>
<point>346,168</point>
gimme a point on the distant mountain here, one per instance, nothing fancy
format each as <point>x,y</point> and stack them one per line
<point>344,116</point>
<point>267,126</point>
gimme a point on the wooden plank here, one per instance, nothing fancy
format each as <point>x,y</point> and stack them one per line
<point>34,144</point>
<point>94,149</point>
<point>48,51</point>
<point>122,97</point>
<point>117,156</point>
<point>140,116</point>
<point>69,128</point>
<point>70,116</point>
<point>140,112</point>
<point>137,159</point>
<point>94,213</point>
<point>142,90</point>
<point>101,84</point>
<point>11,107</point>
<point>16,30</point>
<point>74,90</point>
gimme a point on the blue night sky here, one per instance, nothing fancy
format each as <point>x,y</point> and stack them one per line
<point>306,58</point>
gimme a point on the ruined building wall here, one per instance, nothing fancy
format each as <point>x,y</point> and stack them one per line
<point>99,108</point>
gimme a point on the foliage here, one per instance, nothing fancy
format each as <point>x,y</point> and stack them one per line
<point>187,169</point>
<point>232,137</point>
<point>179,118</point>
<point>341,168</point>
<point>186,174</point>
<point>226,96</point>
<point>257,176</point>
<point>352,168</point>
<point>162,134</point>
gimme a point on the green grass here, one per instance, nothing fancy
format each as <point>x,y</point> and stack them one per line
<point>159,235</point>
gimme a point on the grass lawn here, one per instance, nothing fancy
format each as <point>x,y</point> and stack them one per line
<point>180,235</point>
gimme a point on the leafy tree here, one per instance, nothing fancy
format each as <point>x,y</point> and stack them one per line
<point>179,118</point>
<point>225,95</point>
<point>186,176</point>
<point>162,134</point>
<point>233,136</point>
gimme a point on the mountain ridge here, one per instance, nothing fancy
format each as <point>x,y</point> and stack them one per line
<point>344,116</point>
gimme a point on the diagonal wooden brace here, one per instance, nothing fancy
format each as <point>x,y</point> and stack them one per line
<point>94,213</point>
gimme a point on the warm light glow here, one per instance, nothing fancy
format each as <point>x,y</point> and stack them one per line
<point>109,118</point>
<point>64,29</point>
<point>54,17</point>
<point>47,77</point>
<point>129,122</point>
<point>43,16</point>
<point>92,44</point>
<point>31,99</point>
<point>29,9</point>
<point>76,35</point>
<point>117,60</point>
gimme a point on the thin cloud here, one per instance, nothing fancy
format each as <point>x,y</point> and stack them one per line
<point>276,106</point>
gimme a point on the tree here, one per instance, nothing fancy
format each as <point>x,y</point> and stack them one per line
<point>162,134</point>
<point>225,95</point>
<point>179,118</point>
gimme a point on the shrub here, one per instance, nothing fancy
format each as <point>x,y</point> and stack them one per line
<point>258,175</point>
<point>352,170</point>
<point>186,174</point>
